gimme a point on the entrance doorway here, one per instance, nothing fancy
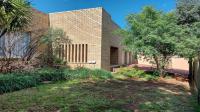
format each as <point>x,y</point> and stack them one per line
<point>114,54</point>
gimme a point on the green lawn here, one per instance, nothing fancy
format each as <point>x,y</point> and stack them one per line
<point>114,95</point>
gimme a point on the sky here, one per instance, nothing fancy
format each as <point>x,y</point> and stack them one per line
<point>118,9</point>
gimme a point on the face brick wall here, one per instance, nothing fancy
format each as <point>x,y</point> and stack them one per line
<point>109,40</point>
<point>95,28</point>
<point>82,27</point>
<point>38,26</point>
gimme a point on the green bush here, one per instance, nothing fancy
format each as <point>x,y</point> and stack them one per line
<point>136,73</point>
<point>21,80</point>
<point>50,74</point>
<point>85,73</point>
<point>101,74</point>
<point>13,82</point>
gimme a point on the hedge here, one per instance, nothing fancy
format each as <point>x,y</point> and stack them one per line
<point>17,81</point>
<point>11,82</point>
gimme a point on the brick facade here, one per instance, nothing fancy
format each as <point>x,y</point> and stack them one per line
<point>95,28</point>
<point>38,26</point>
<point>93,41</point>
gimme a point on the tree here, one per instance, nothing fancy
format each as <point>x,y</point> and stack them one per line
<point>152,34</point>
<point>53,39</point>
<point>188,16</point>
<point>15,15</point>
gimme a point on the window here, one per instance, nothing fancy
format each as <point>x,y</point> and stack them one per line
<point>74,53</point>
<point>2,45</point>
<point>15,45</point>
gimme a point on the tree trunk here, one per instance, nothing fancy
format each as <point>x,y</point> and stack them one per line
<point>157,63</point>
<point>162,71</point>
<point>50,55</point>
<point>160,67</point>
<point>190,75</point>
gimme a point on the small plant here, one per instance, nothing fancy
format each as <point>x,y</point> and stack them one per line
<point>136,73</point>
<point>101,74</point>
<point>50,74</point>
<point>13,82</point>
<point>85,73</point>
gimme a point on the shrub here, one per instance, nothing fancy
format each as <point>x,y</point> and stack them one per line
<point>136,73</point>
<point>12,82</point>
<point>101,74</point>
<point>79,73</point>
<point>21,80</point>
<point>50,74</point>
<point>85,73</point>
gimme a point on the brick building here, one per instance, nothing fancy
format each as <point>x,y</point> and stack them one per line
<point>93,42</point>
<point>16,44</point>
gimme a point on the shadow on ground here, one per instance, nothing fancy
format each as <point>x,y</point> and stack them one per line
<point>140,95</point>
<point>102,96</point>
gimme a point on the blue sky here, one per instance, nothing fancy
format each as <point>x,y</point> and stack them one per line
<point>118,9</point>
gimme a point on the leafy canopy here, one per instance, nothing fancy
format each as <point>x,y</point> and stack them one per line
<point>151,33</point>
<point>188,17</point>
<point>154,35</point>
<point>15,15</point>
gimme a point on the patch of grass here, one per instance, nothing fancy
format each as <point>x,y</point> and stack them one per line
<point>195,104</point>
<point>147,106</point>
<point>99,96</point>
<point>64,96</point>
<point>85,90</point>
<point>128,72</point>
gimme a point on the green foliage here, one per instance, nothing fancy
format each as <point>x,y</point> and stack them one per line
<point>94,104</point>
<point>100,96</point>
<point>188,17</point>
<point>14,82</point>
<point>78,73</point>
<point>188,11</point>
<point>136,73</point>
<point>101,74</point>
<point>21,80</point>
<point>59,61</point>
<point>154,106</point>
<point>152,34</point>
<point>84,73</point>
<point>188,47</point>
<point>53,39</point>
<point>15,15</point>
<point>50,74</point>
<point>55,36</point>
